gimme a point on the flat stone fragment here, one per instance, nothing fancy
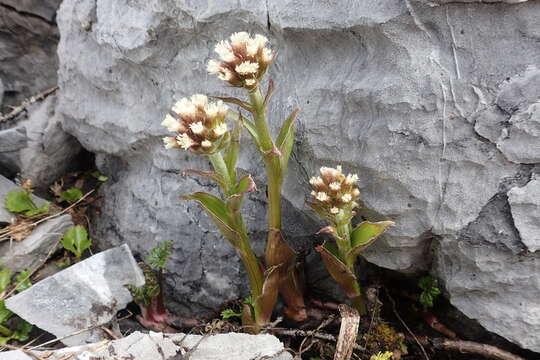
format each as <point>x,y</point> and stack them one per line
<point>525,204</point>
<point>34,248</point>
<point>140,346</point>
<point>84,295</point>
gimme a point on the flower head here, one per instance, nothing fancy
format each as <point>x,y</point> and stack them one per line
<point>199,125</point>
<point>243,59</point>
<point>334,191</point>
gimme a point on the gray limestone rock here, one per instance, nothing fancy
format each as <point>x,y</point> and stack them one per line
<point>525,204</point>
<point>38,148</point>
<point>417,99</point>
<point>50,152</point>
<point>84,295</point>
<point>12,140</point>
<point>34,249</point>
<point>27,47</point>
<point>45,9</point>
<point>139,346</point>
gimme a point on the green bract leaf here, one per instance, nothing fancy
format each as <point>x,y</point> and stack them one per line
<point>5,279</point>
<point>269,92</point>
<point>252,130</point>
<point>230,155</point>
<point>230,313</point>
<point>18,201</point>
<point>321,211</point>
<point>5,314</point>
<point>232,100</point>
<point>219,214</point>
<point>339,271</point>
<point>23,280</point>
<point>23,331</point>
<point>72,195</point>
<point>212,175</point>
<point>76,240</point>
<point>234,202</point>
<point>43,209</point>
<point>285,139</point>
<point>159,255</point>
<point>364,235</point>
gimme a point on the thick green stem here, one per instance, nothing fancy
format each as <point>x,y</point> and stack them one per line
<point>257,101</point>
<point>343,241</point>
<point>273,169</point>
<point>250,261</point>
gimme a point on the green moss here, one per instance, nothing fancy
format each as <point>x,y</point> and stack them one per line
<point>383,338</point>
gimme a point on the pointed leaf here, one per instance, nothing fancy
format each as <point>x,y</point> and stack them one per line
<point>267,300</point>
<point>5,279</point>
<point>246,184</point>
<point>18,201</point>
<point>219,214</point>
<point>364,235</point>
<point>230,155</point>
<point>212,175</point>
<point>252,130</point>
<point>339,271</point>
<point>269,92</point>
<point>286,129</point>
<point>5,314</point>
<point>232,100</point>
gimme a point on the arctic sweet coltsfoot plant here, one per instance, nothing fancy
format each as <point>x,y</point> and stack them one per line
<point>243,62</point>
<point>334,198</point>
<point>200,127</point>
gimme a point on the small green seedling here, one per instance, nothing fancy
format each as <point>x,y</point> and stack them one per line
<point>382,356</point>
<point>150,296</point>
<point>159,255</point>
<point>23,329</point>
<point>71,195</point>
<point>430,290</point>
<point>99,176</point>
<point>230,313</point>
<point>20,202</point>
<point>76,240</point>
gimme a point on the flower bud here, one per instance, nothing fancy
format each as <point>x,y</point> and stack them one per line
<point>199,124</point>
<point>334,191</point>
<point>243,60</point>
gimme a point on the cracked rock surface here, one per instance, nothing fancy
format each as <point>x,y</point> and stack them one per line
<point>435,107</point>
<point>140,346</point>
<point>85,295</point>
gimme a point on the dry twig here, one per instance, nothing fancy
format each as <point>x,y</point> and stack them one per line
<point>305,333</point>
<point>470,347</point>
<point>350,320</point>
<point>27,102</point>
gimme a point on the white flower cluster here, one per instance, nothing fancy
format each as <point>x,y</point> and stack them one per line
<point>334,191</point>
<point>243,60</point>
<point>199,123</point>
